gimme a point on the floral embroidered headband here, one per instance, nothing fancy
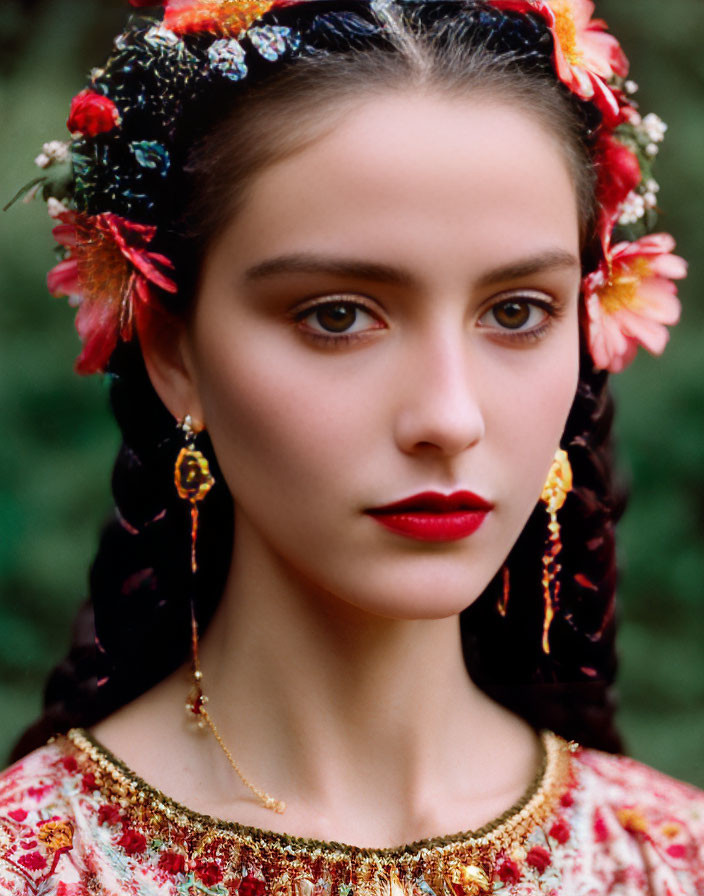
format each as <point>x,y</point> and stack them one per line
<point>105,185</point>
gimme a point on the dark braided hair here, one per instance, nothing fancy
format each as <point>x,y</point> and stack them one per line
<point>134,629</point>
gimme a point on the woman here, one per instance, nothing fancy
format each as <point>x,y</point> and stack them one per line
<point>375,251</point>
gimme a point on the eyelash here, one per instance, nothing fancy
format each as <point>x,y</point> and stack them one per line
<point>340,340</point>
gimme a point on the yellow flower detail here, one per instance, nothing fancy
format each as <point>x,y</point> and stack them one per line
<point>632,820</point>
<point>56,835</point>
<point>621,290</point>
<point>566,30</point>
<point>671,830</point>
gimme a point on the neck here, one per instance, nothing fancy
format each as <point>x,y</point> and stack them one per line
<point>348,712</point>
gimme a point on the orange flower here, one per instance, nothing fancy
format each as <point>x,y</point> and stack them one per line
<point>224,18</point>
<point>630,300</point>
<point>109,275</point>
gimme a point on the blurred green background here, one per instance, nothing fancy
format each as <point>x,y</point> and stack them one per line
<point>57,440</point>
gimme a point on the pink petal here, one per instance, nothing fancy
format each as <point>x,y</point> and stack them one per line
<point>657,299</point>
<point>143,261</point>
<point>65,235</point>
<point>650,334</point>
<point>672,267</point>
<point>62,280</point>
<point>97,328</point>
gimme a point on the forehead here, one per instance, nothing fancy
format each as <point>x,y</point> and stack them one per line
<point>430,179</point>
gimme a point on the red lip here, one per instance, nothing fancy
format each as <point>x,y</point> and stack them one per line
<point>431,516</point>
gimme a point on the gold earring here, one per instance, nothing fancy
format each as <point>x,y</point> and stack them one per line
<point>557,486</point>
<point>192,478</point>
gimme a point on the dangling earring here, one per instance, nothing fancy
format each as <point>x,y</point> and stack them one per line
<point>502,603</point>
<point>193,481</point>
<point>193,478</point>
<point>555,491</point>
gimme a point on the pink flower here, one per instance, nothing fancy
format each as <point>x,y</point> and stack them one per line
<point>92,114</point>
<point>225,18</point>
<point>109,275</point>
<point>631,298</point>
<point>585,55</point>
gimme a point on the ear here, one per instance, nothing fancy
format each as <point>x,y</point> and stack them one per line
<point>164,344</point>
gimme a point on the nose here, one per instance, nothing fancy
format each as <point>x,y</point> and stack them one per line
<point>439,409</point>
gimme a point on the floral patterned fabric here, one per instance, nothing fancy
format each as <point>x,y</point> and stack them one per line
<point>617,828</point>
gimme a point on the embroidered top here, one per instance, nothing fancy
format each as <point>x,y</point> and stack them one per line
<point>75,821</point>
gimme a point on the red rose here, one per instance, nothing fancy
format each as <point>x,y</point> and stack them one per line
<point>34,861</point>
<point>172,862</point>
<point>509,872</point>
<point>539,858</point>
<point>132,842</point>
<point>109,814</point>
<point>209,873</point>
<point>560,831</point>
<point>92,114</point>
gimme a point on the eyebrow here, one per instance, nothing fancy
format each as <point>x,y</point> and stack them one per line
<point>306,263</point>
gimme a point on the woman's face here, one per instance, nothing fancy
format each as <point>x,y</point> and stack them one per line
<point>394,311</point>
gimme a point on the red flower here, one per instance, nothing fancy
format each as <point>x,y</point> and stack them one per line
<point>567,798</point>
<point>18,814</point>
<point>109,274</point>
<point>618,174</point>
<point>560,831</point>
<point>132,842</point>
<point>209,872</point>
<point>251,886</point>
<point>92,114</point>
<point>70,764</point>
<point>509,872</point>
<point>601,830</point>
<point>631,298</point>
<point>109,814</point>
<point>225,18</point>
<point>172,862</point>
<point>539,858</point>
<point>88,782</point>
<point>34,861</point>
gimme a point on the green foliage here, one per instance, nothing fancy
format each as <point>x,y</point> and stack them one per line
<point>58,441</point>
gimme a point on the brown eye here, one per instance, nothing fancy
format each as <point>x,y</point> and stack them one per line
<point>512,315</point>
<point>336,318</point>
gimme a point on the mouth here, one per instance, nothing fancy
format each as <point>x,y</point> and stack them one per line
<point>432,516</point>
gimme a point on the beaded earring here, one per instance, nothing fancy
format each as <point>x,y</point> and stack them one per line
<point>555,491</point>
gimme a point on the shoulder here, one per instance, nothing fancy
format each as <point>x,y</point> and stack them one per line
<point>636,824</point>
<point>36,817</point>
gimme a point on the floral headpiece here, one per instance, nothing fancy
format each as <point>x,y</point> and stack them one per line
<point>103,186</point>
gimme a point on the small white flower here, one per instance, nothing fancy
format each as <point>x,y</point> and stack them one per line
<point>57,150</point>
<point>632,209</point>
<point>652,149</point>
<point>652,186</point>
<point>42,160</point>
<point>650,199</point>
<point>630,87</point>
<point>55,207</point>
<point>654,127</point>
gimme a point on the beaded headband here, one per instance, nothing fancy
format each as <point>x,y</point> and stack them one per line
<point>105,185</point>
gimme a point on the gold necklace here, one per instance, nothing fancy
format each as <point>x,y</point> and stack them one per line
<point>196,708</point>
